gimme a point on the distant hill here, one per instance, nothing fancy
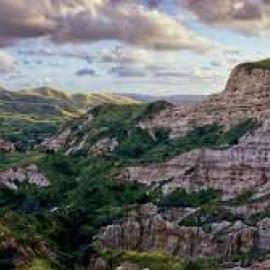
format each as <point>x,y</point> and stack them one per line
<point>174,99</point>
<point>28,116</point>
<point>49,101</point>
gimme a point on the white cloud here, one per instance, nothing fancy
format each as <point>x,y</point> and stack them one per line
<point>6,62</point>
<point>122,54</point>
<point>93,20</point>
<point>249,16</point>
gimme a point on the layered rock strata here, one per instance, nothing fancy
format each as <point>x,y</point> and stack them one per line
<point>146,230</point>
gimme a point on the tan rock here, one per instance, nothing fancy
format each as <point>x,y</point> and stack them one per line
<point>6,146</point>
<point>153,233</point>
<point>30,174</point>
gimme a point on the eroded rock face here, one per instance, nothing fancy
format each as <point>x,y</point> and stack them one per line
<point>56,142</point>
<point>148,231</point>
<point>232,170</point>
<point>30,174</point>
<point>103,146</point>
<point>99,264</point>
<point>247,94</point>
<point>6,146</point>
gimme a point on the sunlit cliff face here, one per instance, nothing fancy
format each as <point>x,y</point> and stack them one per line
<point>154,46</point>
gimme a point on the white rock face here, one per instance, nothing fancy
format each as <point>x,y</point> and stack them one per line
<point>11,177</point>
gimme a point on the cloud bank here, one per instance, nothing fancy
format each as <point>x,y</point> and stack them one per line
<point>93,20</point>
<point>248,16</point>
<point>6,62</point>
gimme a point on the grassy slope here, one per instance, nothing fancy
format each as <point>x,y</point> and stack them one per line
<point>137,145</point>
<point>29,116</point>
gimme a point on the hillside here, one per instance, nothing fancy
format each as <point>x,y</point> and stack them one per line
<point>146,186</point>
<point>210,159</point>
<point>28,116</point>
<point>174,99</point>
<point>52,102</point>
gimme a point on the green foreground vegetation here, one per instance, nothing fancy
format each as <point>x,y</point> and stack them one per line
<point>157,261</point>
<point>27,130</point>
<point>83,196</point>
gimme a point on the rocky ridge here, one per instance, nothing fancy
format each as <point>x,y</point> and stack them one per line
<point>235,224</point>
<point>233,170</point>
<point>246,95</point>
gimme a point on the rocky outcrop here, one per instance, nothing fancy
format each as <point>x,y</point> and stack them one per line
<point>54,143</point>
<point>12,177</point>
<point>6,146</point>
<point>103,146</point>
<point>98,264</point>
<point>247,94</point>
<point>70,137</point>
<point>146,230</point>
<point>232,170</point>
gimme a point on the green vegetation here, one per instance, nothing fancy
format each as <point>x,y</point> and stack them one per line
<point>265,63</point>
<point>18,159</point>
<point>156,261</point>
<point>27,130</point>
<point>83,196</point>
<point>232,136</point>
<point>29,116</point>
<point>139,146</point>
<point>180,198</point>
<point>242,199</point>
<point>39,264</point>
<point>86,193</point>
<point>209,213</point>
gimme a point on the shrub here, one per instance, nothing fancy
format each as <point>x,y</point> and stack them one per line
<point>181,198</point>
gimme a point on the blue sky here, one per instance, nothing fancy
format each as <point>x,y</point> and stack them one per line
<point>126,66</point>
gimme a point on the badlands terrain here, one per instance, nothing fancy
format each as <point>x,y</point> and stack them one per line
<point>109,182</point>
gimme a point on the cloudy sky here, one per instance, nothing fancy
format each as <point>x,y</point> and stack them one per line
<point>143,46</point>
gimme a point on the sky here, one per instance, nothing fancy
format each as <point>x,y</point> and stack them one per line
<point>157,47</point>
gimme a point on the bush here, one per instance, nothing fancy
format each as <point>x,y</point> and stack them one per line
<point>180,198</point>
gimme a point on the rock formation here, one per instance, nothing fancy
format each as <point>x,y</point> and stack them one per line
<point>30,174</point>
<point>6,146</point>
<point>146,230</point>
<point>232,170</point>
<point>245,166</point>
<point>247,94</point>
